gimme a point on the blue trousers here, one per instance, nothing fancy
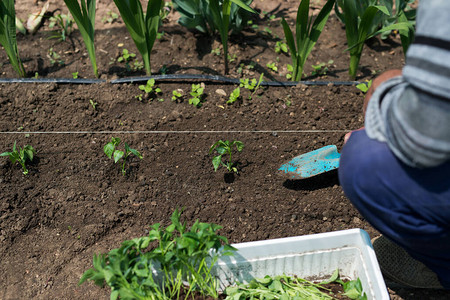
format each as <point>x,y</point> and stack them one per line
<point>408,205</point>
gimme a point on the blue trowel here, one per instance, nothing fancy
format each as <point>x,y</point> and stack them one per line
<point>312,163</point>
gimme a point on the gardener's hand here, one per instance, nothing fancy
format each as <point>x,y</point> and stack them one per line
<point>347,136</point>
<point>376,83</point>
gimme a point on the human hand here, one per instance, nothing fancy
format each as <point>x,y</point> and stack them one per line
<point>347,136</point>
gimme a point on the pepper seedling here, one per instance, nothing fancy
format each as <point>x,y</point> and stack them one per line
<point>20,155</point>
<point>149,88</point>
<point>111,151</point>
<point>225,147</point>
<point>197,94</point>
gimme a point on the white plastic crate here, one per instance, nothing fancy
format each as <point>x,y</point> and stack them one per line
<point>312,257</point>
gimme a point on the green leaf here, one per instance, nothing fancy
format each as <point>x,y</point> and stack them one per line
<point>84,16</point>
<point>216,162</point>
<point>117,155</point>
<point>239,145</point>
<point>8,35</point>
<point>135,152</point>
<point>109,149</point>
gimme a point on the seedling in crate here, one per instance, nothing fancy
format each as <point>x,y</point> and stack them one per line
<point>287,287</point>
<point>197,94</point>
<point>182,255</point>
<point>149,88</point>
<point>21,156</point>
<point>225,148</point>
<point>111,151</point>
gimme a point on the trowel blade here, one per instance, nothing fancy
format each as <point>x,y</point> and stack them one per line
<point>312,163</point>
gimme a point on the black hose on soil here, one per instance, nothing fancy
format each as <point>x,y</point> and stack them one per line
<point>51,80</point>
<point>223,79</point>
<point>173,77</point>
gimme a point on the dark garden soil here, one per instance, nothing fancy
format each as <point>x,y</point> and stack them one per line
<point>75,202</point>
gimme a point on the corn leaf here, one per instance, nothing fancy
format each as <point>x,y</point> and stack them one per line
<point>84,15</point>
<point>8,35</point>
<point>307,33</point>
<point>142,28</point>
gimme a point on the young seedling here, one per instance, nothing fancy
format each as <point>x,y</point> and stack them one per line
<point>93,104</point>
<point>20,155</point>
<point>234,96</point>
<point>62,25</point>
<point>110,17</point>
<point>197,94</point>
<point>286,287</point>
<point>111,151</point>
<point>54,58</point>
<point>126,56</point>
<point>272,66</point>
<point>75,75</point>
<point>251,85</point>
<point>225,148</point>
<point>150,89</point>
<point>364,86</point>
<point>321,68</point>
<point>177,94</point>
<point>281,47</point>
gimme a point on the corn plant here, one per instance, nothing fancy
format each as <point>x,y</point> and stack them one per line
<point>306,35</point>
<point>361,22</point>
<point>196,14</point>
<point>143,28</point>
<point>84,15</point>
<point>20,155</point>
<point>8,35</point>
<point>220,12</point>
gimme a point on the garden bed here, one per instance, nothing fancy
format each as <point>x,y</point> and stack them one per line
<point>75,201</point>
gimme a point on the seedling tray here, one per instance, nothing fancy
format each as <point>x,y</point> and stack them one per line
<point>313,257</point>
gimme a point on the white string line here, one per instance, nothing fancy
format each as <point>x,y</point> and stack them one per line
<point>173,131</point>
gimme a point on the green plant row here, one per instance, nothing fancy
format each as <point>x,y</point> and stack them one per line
<point>363,19</point>
<point>25,154</point>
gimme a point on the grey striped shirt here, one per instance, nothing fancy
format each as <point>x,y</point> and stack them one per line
<point>411,113</point>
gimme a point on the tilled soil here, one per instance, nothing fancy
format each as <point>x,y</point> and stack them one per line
<point>75,201</point>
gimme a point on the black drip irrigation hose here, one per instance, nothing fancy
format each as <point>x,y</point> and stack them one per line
<point>224,79</point>
<point>51,80</point>
<point>182,77</point>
